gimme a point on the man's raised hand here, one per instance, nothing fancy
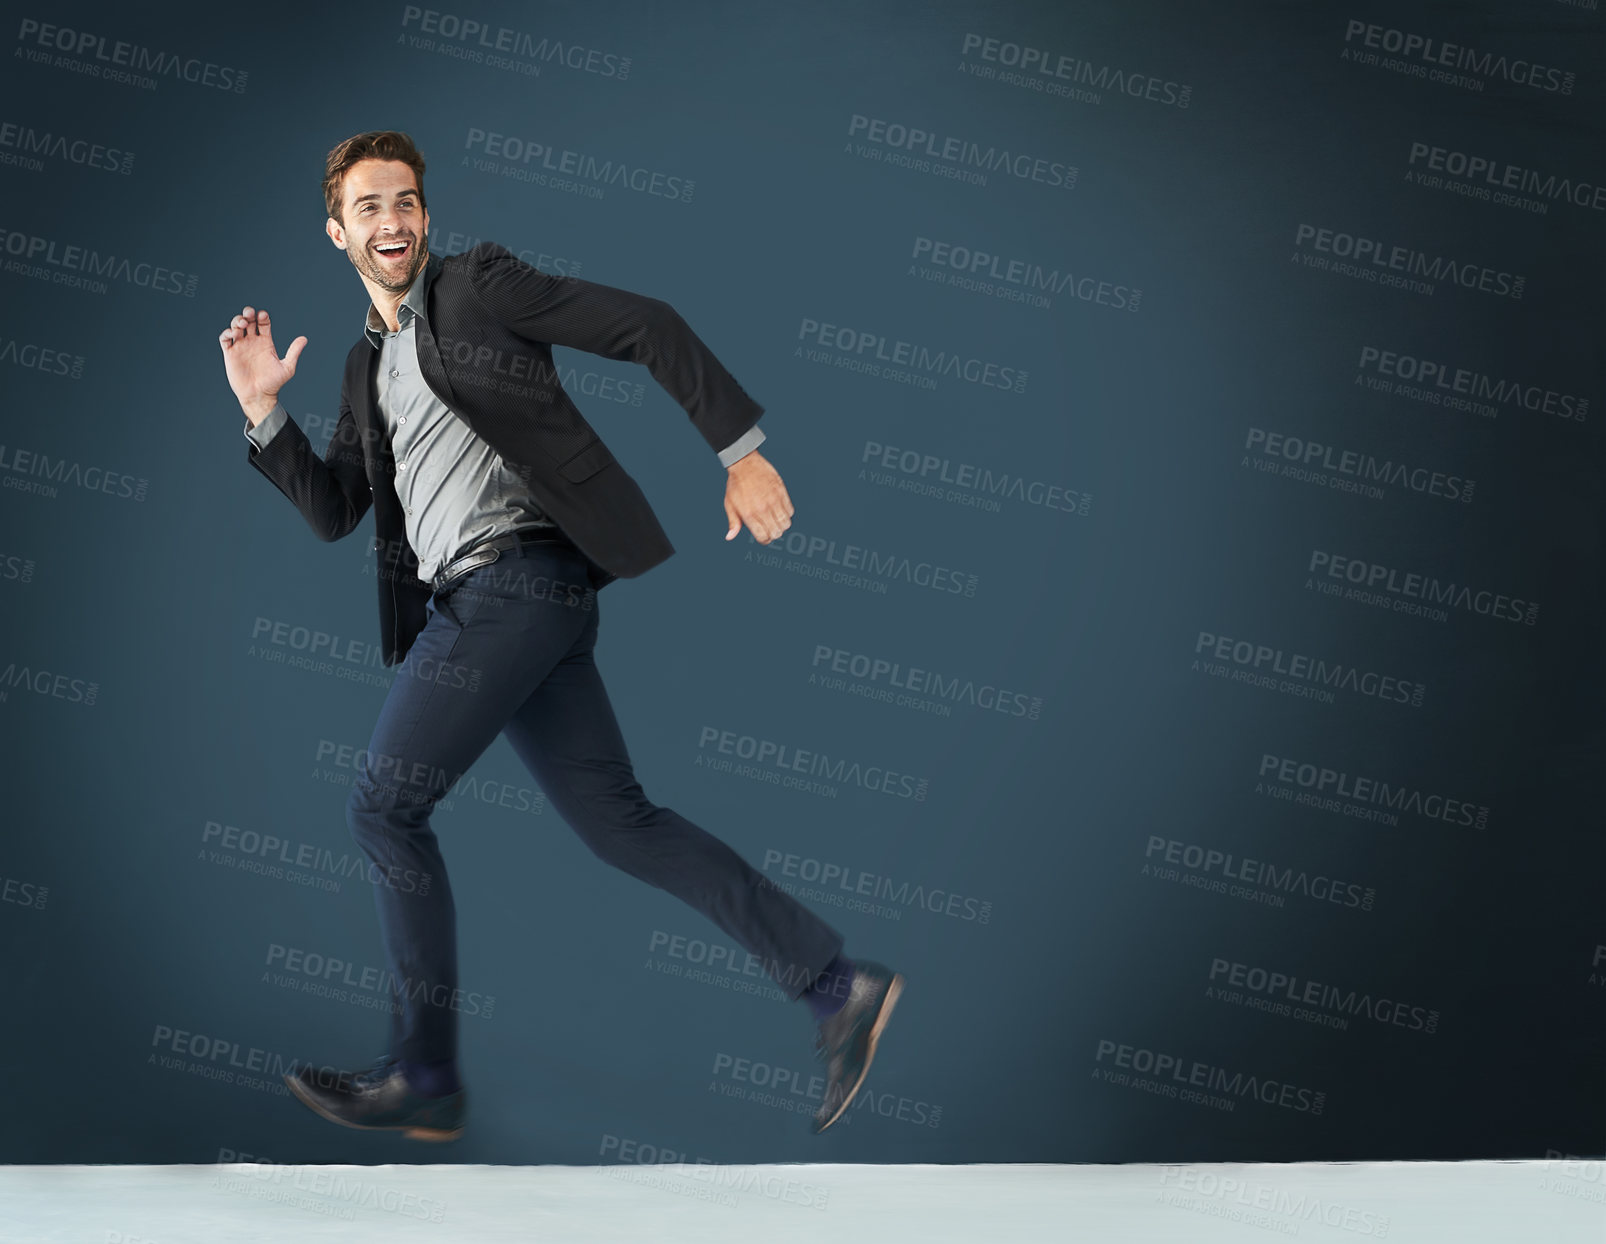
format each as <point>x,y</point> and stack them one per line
<point>256,372</point>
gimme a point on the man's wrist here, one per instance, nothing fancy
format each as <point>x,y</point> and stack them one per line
<point>741,447</point>
<point>259,409</point>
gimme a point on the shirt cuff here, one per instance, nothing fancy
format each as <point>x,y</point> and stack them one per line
<point>264,432</point>
<point>743,445</point>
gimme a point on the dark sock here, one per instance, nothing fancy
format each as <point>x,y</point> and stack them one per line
<point>432,1079</point>
<point>829,992</point>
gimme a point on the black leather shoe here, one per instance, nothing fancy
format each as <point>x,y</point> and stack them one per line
<point>848,1039</point>
<point>380,1098</point>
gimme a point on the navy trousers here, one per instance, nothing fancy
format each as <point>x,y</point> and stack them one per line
<point>507,649</point>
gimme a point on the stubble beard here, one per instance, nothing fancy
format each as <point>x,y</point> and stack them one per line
<point>369,265</point>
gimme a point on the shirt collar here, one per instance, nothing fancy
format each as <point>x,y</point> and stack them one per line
<point>412,304</point>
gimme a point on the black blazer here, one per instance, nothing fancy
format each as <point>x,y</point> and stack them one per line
<point>484,348</point>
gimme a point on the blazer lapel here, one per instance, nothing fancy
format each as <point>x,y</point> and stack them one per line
<point>430,365</point>
<point>365,410</point>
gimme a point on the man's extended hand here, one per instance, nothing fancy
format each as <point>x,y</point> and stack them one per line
<point>755,495</point>
<point>255,370</point>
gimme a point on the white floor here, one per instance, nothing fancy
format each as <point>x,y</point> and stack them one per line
<point>1558,1202</point>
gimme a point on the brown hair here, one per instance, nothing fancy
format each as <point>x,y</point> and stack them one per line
<point>372,145</point>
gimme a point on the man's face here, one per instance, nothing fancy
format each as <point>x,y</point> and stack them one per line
<point>386,230</point>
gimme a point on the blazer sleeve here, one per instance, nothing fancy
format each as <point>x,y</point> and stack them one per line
<point>617,324</point>
<point>331,492</point>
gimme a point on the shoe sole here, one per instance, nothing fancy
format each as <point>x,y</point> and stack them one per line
<point>412,1133</point>
<point>894,988</point>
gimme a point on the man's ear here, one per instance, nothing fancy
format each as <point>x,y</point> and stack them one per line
<point>337,235</point>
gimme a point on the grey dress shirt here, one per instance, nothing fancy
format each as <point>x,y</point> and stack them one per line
<point>454,488</point>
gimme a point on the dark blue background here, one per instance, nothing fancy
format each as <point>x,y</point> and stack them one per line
<point>1496,928</point>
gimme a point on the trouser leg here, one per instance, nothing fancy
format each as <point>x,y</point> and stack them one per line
<point>470,668</point>
<point>568,737</point>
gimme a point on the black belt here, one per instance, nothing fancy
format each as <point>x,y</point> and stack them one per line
<point>487,551</point>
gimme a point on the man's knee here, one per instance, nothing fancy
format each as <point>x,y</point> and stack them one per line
<point>362,800</point>
<point>623,809</point>
<point>371,802</point>
<point>381,822</point>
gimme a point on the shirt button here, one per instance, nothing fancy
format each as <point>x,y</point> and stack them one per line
<point>394,373</point>
<point>401,466</point>
<point>403,419</point>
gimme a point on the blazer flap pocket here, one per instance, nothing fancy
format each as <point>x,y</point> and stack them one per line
<point>586,463</point>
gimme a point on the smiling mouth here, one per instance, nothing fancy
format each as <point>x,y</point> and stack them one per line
<point>393,250</point>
